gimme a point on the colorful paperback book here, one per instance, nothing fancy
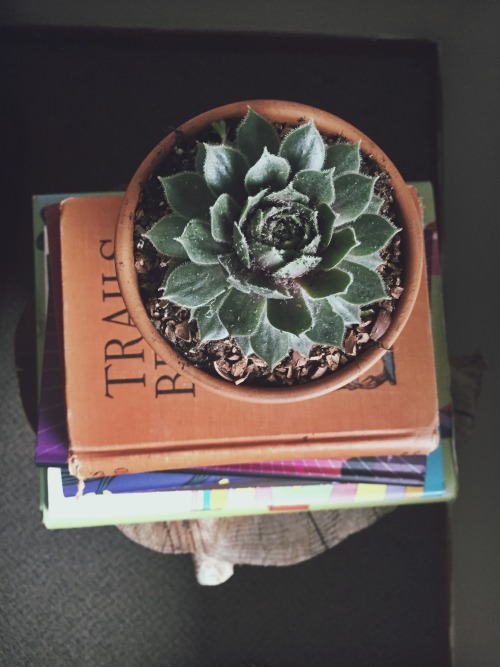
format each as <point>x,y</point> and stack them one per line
<point>60,511</point>
<point>165,480</point>
<point>145,416</point>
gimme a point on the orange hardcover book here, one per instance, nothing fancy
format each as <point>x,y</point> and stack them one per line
<point>127,411</point>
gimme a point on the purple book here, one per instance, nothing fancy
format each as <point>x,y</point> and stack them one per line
<point>52,433</point>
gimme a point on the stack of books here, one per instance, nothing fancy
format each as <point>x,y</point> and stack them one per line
<point>124,439</point>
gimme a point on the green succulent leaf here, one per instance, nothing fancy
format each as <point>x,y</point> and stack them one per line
<point>316,185</point>
<point>304,148</point>
<point>256,134</point>
<point>236,272</point>
<point>257,225</point>
<point>273,291</point>
<point>292,315</point>
<point>251,204</point>
<point>366,287</point>
<point>326,223</point>
<point>225,170</point>
<point>328,328</point>
<point>312,247</point>
<point>342,243</point>
<point>249,281</point>
<point>241,245</point>
<point>269,343</point>
<point>375,205</point>
<point>223,214</point>
<point>241,313</point>
<point>201,154</point>
<point>326,283</point>
<point>298,267</point>
<point>372,261</point>
<point>245,345</point>
<point>353,193</point>
<point>270,171</point>
<point>267,257</point>
<point>349,312</point>
<point>208,321</point>
<point>164,233</point>
<point>286,196</point>
<point>197,241</point>
<point>236,280</point>
<point>188,194</point>
<point>300,343</point>
<point>373,233</point>
<point>191,285</point>
<point>344,158</point>
<point>220,126</point>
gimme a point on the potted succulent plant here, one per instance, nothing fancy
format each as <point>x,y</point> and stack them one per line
<point>285,249</point>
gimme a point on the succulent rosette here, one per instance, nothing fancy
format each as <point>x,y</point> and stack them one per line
<point>278,241</point>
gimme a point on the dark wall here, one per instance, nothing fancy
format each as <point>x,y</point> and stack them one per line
<point>83,107</point>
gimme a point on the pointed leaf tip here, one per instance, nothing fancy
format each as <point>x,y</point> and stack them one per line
<point>269,343</point>
<point>164,233</point>
<point>255,134</point>
<point>367,285</point>
<point>241,245</point>
<point>316,185</point>
<point>343,157</point>
<point>199,244</point>
<point>223,214</point>
<point>241,313</point>
<point>328,328</point>
<point>343,242</point>
<point>373,233</point>
<point>190,285</point>
<point>353,193</point>
<point>270,171</point>
<point>321,284</point>
<point>208,320</point>
<point>291,315</point>
<point>224,169</point>
<point>188,194</point>
<point>304,148</point>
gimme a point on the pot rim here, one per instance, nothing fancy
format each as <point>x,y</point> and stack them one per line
<point>411,238</point>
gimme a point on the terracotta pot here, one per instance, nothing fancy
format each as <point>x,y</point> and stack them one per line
<point>408,218</point>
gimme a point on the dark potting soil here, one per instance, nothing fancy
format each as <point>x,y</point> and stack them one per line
<point>225,357</point>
